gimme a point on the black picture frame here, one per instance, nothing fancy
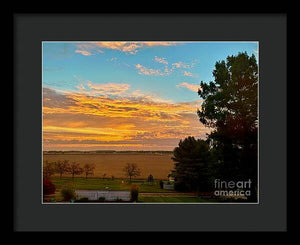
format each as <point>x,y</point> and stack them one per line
<point>269,30</point>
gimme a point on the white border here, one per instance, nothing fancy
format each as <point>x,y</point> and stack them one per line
<point>158,203</point>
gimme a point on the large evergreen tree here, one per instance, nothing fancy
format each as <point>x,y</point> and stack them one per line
<point>230,109</point>
<point>192,165</point>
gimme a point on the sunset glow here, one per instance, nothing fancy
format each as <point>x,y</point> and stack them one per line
<point>126,95</point>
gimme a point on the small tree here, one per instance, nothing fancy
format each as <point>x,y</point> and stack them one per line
<point>75,169</point>
<point>62,167</point>
<point>48,169</point>
<point>88,169</point>
<point>131,170</point>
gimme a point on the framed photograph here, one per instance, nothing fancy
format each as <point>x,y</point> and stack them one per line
<point>136,121</point>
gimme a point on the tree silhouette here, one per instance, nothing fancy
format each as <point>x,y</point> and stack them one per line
<point>48,169</point>
<point>193,165</point>
<point>88,169</point>
<point>75,169</point>
<point>230,109</point>
<point>62,167</point>
<point>131,170</point>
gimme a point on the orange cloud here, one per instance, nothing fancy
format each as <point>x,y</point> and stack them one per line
<point>83,52</point>
<point>90,88</point>
<point>192,87</point>
<point>109,88</point>
<point>87,49</point>
<point>133,120</point>
<point>126,47</point>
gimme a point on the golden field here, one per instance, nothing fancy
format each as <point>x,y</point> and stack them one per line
<point>159,165</point>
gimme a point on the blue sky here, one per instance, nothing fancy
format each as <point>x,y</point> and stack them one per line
<point>127,95</point>
<point>64,69</point>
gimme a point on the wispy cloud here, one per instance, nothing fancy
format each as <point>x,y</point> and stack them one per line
<point>161,60</point>
<point>91,88</point>
<point>149,71</point>
<point>187,74</point>
<point>182,65</point>
<point>109,88</point>
<point>87,49</point>
<point>83,52</point>
<point>131,47</point>
<point>167,70</point>
<point>126,47</point>
<point>192,87</point>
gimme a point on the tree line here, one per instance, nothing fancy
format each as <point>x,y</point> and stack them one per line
<point>64,167</point>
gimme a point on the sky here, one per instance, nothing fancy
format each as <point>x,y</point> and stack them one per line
<point>127,95</point>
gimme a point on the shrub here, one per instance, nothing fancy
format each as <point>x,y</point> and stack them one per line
<point>101,199</point>
<point>68,193</point>
<point>161,184</point>
<point>134,191</point>
<point>48,187</point>
<point>150,178</point>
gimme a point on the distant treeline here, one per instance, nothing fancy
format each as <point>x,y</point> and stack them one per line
<point>107,152</point>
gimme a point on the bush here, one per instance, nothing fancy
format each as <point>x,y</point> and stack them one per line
<point>68,193</point>
<point>161,184</point>
<point>48,187</point>
<point>101,199</point>
<point>134,191</point>
<point>150,178</point>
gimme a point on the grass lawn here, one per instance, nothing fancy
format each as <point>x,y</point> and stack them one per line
<point>173,199</point>
<point>113,185</point>
<point>80,183</point>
